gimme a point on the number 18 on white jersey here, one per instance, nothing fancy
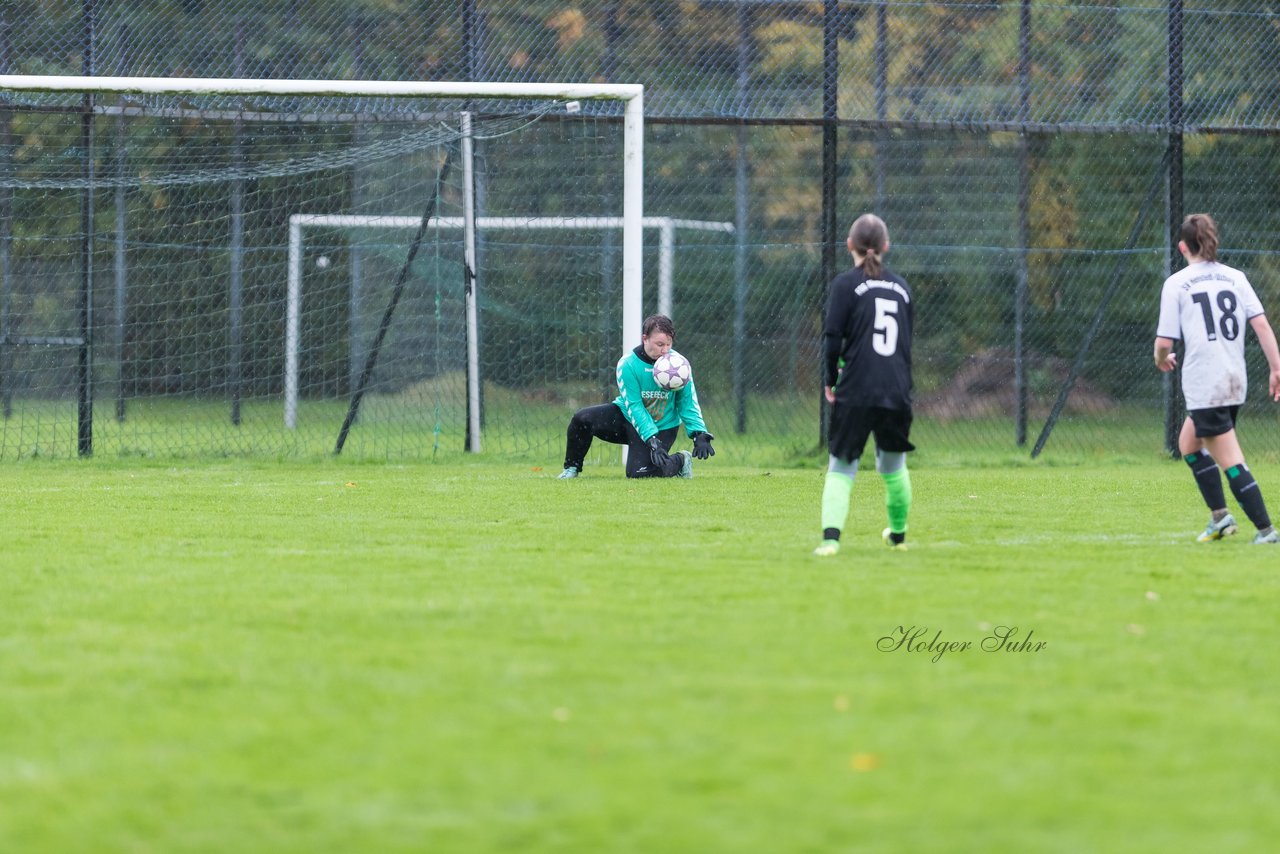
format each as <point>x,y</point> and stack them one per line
<point>1208,305</point>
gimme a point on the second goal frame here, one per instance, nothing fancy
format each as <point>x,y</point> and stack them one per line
<point>664,225</point>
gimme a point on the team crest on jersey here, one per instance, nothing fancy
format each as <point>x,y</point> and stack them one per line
<point>655,402</point>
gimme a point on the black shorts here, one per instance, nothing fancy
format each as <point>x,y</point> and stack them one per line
<point>607,422</point>
<point>851,426</point>
<point>1215,421</point>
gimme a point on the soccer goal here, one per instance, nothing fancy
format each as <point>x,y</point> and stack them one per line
<point>667,229</point>
<point>153,268</point>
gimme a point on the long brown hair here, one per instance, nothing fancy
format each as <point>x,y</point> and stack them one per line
<point>870,238</point>
<point>1200,233</point>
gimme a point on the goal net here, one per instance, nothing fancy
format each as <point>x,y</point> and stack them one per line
<point>666,230</point>
<point>156,298</point>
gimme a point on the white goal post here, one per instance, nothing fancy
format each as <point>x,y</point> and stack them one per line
<point>665,226</point>
<point>632,96</point>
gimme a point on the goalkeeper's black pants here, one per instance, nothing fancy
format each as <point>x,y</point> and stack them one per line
<point>607,422</point>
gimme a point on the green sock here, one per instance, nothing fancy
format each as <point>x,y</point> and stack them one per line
<point>897,499</point>
<point>835,503</point>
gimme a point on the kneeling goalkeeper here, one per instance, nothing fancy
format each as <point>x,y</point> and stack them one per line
<point>643,416</point>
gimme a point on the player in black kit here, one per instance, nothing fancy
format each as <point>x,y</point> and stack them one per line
<point>867,353</point>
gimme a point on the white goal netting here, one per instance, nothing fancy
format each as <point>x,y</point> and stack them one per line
<point>231,273</point>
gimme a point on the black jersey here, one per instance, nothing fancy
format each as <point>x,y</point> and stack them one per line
<point>868,326</point>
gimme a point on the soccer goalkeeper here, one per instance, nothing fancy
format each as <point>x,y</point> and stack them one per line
<point>643,416</point>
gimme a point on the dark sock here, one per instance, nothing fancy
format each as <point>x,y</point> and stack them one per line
<point>1249,496</point>
<point>896,538</point>
<point>577,442</point>
<point>830,533</point>
<point>1208,477</point>
<point>672,468</point>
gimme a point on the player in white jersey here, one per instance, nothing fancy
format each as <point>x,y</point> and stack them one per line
<point>1206,305</point>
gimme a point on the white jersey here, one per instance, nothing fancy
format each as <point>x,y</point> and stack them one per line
<point>1208,305</point>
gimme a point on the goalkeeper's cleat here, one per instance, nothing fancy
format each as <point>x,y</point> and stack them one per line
<point>686,464</point>
<point>899,544</point>
<point>570,471</point>
<point>827,548</point>
<point>1272,536</point>
<point>1216,530</point>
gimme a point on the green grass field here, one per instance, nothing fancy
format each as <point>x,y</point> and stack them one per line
<point>428,422</point>
<point>323,656</point>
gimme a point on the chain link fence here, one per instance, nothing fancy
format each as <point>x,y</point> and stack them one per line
<point>1031,159</point>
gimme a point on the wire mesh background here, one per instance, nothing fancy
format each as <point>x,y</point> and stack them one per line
<point>1011,146</point>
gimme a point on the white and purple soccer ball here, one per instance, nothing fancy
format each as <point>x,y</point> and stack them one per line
<point>672,371</point>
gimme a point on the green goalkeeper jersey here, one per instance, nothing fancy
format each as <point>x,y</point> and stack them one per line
<point>650,408</point>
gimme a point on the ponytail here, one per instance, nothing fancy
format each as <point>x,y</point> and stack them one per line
<point>871,264</point>
<point>870,238</point>
<point>1200,233</point>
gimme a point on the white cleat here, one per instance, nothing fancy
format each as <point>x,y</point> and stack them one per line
<point>1224,527</point>
<point>686,465</point>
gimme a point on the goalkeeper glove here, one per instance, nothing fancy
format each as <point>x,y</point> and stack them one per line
<point>702,446</point>
<point>657,454</point>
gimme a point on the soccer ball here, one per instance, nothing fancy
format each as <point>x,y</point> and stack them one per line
<point>672,371</point>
